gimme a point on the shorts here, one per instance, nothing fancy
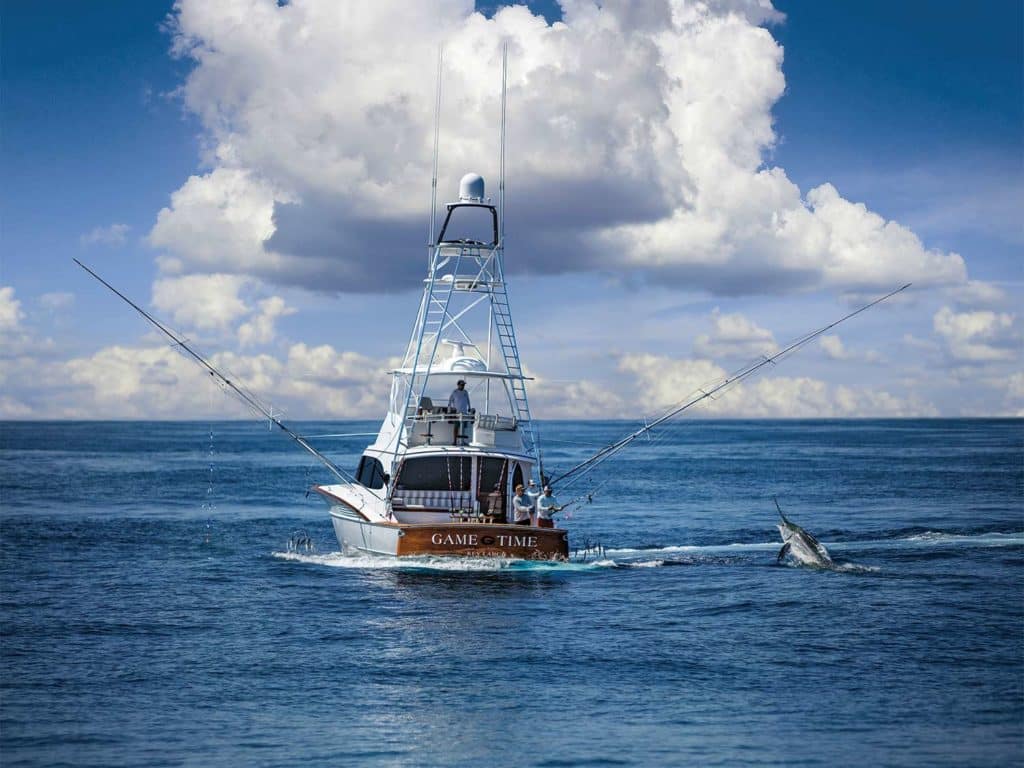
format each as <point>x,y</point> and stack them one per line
<point>545,522</point>
<point>522,522</point>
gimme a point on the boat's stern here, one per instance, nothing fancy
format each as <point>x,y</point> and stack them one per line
<point>518,542</point>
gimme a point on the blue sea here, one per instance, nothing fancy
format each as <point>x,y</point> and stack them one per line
<point>154,615</point>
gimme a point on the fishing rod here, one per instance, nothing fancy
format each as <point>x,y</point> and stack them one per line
<point>610,450</point>
<point>247,398</point>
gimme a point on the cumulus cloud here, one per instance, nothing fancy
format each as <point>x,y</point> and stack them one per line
<point>10,310</point>
<point>201,301</point>
<point>259,329</point>
<point>637,140</point>
<point>978,293</point>
<point>668,382</point>
<point>56,300</point>
<point>979,337</point>
<point>113,235</point>
<point>219,221</point>
<point>834,349</point>
<point>577,399</point>
<point>159,382</point>
<point>733,335</point>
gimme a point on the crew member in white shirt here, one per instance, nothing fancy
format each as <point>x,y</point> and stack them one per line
<point>522,508</point>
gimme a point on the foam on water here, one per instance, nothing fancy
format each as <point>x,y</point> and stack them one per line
<point>460,564</point>
<point>938,538</point>
<point>994,539</point>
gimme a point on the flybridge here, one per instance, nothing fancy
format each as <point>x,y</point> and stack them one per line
<point>463,331</point>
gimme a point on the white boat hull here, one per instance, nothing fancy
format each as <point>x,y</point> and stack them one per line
<point>357,535</point>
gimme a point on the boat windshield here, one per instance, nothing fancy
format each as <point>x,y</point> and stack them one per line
<point>436,473</point>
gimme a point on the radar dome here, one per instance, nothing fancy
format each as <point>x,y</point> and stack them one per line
<point>471,188</point>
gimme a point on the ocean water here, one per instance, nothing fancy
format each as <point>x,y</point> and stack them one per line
<point>153,615</point>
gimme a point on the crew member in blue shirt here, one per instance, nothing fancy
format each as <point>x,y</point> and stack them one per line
<point>458,402</point>
<point>547,505</point>
<point>459,399</point>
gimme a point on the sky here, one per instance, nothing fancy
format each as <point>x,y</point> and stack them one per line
<point>690,186</point>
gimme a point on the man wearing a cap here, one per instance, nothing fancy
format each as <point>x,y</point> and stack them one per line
<point>522,507</point>
<point>458,402</point>
<point>459,399</point>
<point>547,505</point>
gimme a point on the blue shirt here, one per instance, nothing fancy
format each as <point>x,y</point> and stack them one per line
<point>459,401</point>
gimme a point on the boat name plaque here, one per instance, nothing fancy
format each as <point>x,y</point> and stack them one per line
<point>473,540</point>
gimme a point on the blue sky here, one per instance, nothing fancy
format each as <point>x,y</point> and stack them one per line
<point>237,182</point>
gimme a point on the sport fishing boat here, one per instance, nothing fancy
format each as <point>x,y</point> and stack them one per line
<point>457,437</point>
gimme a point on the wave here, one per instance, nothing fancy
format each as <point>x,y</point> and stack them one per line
<point>993,539</point>
<point>987,539</point>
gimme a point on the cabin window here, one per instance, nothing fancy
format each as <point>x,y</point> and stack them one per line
<point>492,475</point>
<point>436,473</point>
<point>371,473</point>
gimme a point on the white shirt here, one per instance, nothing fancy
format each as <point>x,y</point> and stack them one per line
<point>546,506</point>
<point>522,507</point>
<point>459,400</point>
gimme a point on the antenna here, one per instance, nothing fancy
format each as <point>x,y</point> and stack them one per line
<point>501,155</point>
<point>437,131</point>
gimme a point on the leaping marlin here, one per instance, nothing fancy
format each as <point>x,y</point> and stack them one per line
<point>800,544</point>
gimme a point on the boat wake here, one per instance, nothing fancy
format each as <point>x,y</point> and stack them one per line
<point>456,564</point>
<point>738,553</point>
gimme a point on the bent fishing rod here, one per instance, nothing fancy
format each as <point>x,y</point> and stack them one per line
<point>749,370</point>
<point>223,380</point>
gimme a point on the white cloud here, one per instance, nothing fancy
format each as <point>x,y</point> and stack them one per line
<point>637,141</point>
<point>979,337</point>
<point>576,399</point>
<point>201,301</point>
<point>1014,386</point>
<point>259,329</point>
<point>113,235</point>
<point>10,311</point>
<point>667,382</point>
<point>733,335</point>
<point>219,220</point>
<point>834,349</point>
<point>11,408</point>
<point>56,300</point>
<point>159,382</point>
<point>978,293</point>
